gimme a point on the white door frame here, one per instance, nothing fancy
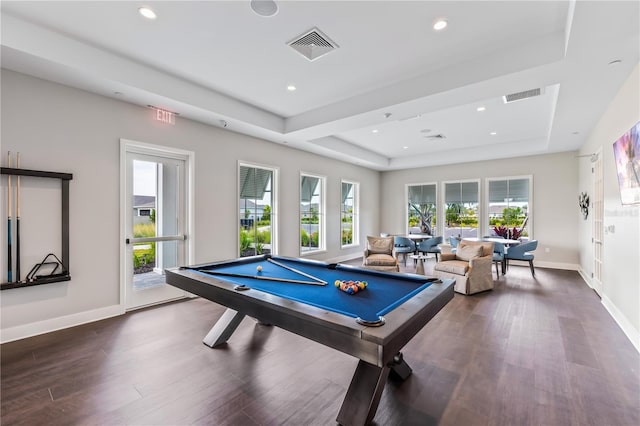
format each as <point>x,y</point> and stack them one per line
<point>597,207</point>
<point>130,146</point>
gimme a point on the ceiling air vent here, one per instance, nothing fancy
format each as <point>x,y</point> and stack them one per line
<point>313,44</point>
<point>512,97</point>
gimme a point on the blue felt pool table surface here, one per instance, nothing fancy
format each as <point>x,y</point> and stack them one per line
<point>384,291</point>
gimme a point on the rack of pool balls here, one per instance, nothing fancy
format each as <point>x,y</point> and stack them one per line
<point>350,287</point>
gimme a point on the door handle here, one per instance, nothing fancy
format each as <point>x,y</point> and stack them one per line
<point>155,239</point>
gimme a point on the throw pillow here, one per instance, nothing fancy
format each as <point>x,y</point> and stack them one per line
<point>468,252</point>
<point>382,245</point>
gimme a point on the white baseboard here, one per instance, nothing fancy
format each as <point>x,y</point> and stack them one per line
<point>343,258</point>
<point>41,327</point>
<point>550,265</point>
<point>623,322</point>
<point>585,277</point>
<point>632,334</point>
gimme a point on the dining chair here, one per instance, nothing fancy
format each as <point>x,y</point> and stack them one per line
<point>453,242</point>
<point>430,246</point>
<point>404,246</point>
<point>499,257</point>
<point>523,252</point>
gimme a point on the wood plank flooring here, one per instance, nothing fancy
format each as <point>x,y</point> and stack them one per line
<point>537,351</point>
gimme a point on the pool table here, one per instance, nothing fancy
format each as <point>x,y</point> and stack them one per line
<point>299,295</point>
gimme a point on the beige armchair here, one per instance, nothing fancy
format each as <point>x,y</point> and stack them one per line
<point>470,266</point>
<point>380,255</point>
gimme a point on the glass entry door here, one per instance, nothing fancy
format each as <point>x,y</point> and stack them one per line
<point>155,226</point>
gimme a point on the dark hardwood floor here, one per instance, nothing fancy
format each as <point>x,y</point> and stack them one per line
<point>537,351</point>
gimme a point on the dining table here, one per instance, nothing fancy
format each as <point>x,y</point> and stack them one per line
<point>506,241</point>
<point>416,237</point>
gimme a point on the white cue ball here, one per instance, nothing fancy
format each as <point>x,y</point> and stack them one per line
<point>259,268</point>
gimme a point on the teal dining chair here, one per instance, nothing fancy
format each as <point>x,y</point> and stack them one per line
<point>453,242</point>
<point>404,246</point>
<point>499,257</point>
<point>430,246</point>
<point>523,252</point>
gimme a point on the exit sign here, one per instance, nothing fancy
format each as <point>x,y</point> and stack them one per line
<point>164,116</point>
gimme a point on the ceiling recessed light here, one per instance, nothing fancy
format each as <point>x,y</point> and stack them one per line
<point>147,13</point>
<point>405,147</point>
<point>264,7</point>
<point>374,131</point>
<point>493,133</point>
<point>480,109</point>
<point>440,24</point>
<point>291,88</point>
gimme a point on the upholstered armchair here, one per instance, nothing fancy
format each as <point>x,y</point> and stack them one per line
<point>470,266</point>
<point>380,255</point>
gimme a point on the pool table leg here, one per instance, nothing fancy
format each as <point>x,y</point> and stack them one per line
<point>363,396</point>
<point>223,328</point>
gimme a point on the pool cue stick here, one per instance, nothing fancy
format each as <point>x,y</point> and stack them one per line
<point>18,221</point>
<point>9,260</point>
<point>296,271</point>
<point>259,277</point>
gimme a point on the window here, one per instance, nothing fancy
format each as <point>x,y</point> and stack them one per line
<point>257,210</point>
<point>461,202</point>
<point>421,208</point>
<point>509,206</point>
<point>349,214</point>
<point>311,213</point>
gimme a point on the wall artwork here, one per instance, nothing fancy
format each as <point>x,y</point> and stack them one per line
<point>583,202</point>
<point>627,155</point>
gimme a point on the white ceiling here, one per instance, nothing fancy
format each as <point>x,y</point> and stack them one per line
<point>218,60</point>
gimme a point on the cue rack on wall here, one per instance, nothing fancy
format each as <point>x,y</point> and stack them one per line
<point>64,178</point>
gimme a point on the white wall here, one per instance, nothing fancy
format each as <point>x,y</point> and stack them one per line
<point>555,215</point>
<point>57,128</point>
<point>621,248</point>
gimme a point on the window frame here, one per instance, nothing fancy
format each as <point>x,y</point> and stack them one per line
<point>443,201</point>
<point>322,219</point>
<point>488,228</point>
<point>274,202</point>
<point>355,213</point>
<point>435,230</point>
